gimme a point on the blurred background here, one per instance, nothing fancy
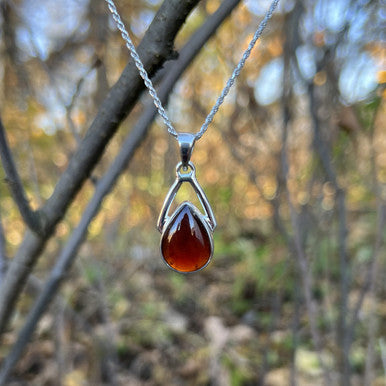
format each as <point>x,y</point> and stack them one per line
<point>294,166</point>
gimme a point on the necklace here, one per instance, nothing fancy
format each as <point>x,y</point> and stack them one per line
<point>186,235</point>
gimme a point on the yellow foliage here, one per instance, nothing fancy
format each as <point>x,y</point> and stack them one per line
<point>381,76</point>
<point>75,378</point>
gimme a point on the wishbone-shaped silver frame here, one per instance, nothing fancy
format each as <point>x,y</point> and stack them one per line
<point>186,176</point>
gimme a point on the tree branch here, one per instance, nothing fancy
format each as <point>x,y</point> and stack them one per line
<point>344,266</point>
<point>3,258</point>
<point>371,273</point>
<point>155,48</point>
<point>11,47</point>
<point>106,183</point>
<point>32,219</point>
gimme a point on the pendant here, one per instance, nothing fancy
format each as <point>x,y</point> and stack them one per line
<point>186,241</point>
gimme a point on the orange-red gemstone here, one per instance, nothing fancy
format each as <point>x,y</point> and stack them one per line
<point>186,242</point>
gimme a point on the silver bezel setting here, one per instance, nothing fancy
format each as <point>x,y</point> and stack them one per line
<point>207,228</point>
<point>187,174</point>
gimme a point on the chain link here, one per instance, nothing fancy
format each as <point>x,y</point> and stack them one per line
<point>149,84</point>
<point>141,69</point>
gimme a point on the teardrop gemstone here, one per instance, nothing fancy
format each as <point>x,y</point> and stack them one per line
<point>186,243</point>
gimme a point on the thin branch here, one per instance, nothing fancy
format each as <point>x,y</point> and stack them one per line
<point>371,273</point>
<point>33,219</point>
<point>295,241</point>
<point>382,346</point>
<point>10,43</point>
<point>324,155</point>
<point>381,219</point>
<point>344,266</point>
<point>107,182</point>
<point>155,48</point>
<point>3,258</point>
<point>109,357</point>
<point>69,107</point>
<point>302,261</point>
<point>369,286</point>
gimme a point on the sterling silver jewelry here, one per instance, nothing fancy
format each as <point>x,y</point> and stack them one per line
<point>186,241</point>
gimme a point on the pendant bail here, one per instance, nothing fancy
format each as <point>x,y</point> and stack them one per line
<point>186,143</point>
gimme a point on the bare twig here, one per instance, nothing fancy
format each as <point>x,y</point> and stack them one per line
<point>109,355</point>
<point>107,182</point>
<point>60,349</point>
<point>369,286</point>
<point>371,272</point>
<point>11,47</point>
<point>33,219</point>
<point>324,155</point>
<point>70,106</point>
<point>295,335</point>
<point>381,219</point>
<point>302,261</point>
<point>34,181</point>
<point>276,305</point>
<point>325,159</point>
<point>382,346</point>
<point>155,48</point>
<point>3,258</point>
<point>371,330</point>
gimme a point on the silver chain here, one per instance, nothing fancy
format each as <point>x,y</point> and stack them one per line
<point>149,84</point>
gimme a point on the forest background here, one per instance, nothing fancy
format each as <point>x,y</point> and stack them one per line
<point>294,166</point>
